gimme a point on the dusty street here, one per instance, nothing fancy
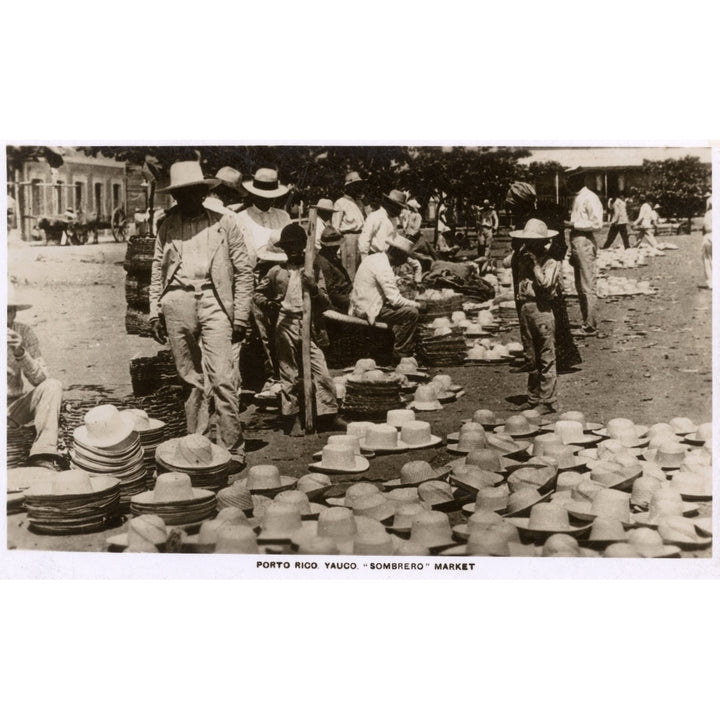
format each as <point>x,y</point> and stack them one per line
<point>651,362</point>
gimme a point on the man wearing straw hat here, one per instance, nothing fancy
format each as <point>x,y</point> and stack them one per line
<point>381,225</point>
<point>489,223</point>
<point>261,224</point>
<point>228,196</point>
<point>413,222</point>
<point>337,280</point>
<point>40,405</point>
<point>349,219</point>
<point>200,292</point>
<point>375,295</point>
<point>325,210</point>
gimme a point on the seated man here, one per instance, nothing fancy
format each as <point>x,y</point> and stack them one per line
<point>376,296</point>
<point>41,405</point>
<point>337,281</point>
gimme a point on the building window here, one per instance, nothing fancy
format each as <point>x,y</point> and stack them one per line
<point>116,195</point>
<point>99,199</point>
<point>599,182</point>
<point>37,204</point>
<point>621,181</point>
<point>79,199</point>
<point>59,198</point>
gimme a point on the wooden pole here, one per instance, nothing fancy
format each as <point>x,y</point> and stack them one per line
<point>307,326</point>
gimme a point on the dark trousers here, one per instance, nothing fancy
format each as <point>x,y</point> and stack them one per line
<point>613,233</point>
<point>402,321</point>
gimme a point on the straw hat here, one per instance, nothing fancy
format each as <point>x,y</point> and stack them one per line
<point>417,434</point>
<point>191,452</point>
<point>540,476</point>
<point>383,438</point>
<point>231,179</point>
<point>701,436</point>
<point>490,459</point>
<point>426,399</point>
<point>432,530</point>
<point>404,516</point>
<point>375,506</point>
<point>487,418</point>
<point>534,230</point>
<point>547,519</point>
<point>279,522</point>
<point>572,432</point>
<point>188,173</point>
<point>413,203</point>
<point>616,426</point>
<point>324,204</point>
<point>478,520</point>
<point>416,472</point>
<point>396,198</point>
<point>493,498</point>
<point>683,425</point>
<point>651,544</point>
<point>437,493</point>
<point>141,531</point>
<point>471,436</point>
<point>314,485</point>
<point>14,300</point>
<point>669,456</point>
<point>172,489</point>
<point>608,504</point>
<point>353,493</point>
<point>341,459</point>
<point>561,545</point>
<point>236,495</point>
<point>236,539</point>
<point>692,486</point>
<point>472,478</point>
<point>551,446</point>
<point>398,418</point>
<point>265,184</point>
<point>522,500</point>
<point>267,480</point>
<point>300,501</point>
<point>142,422</point>
<point>517,426</point>
<point>353,177</point>
<point>643,489</point>
<point>605,531</point>
<point>105,427</point>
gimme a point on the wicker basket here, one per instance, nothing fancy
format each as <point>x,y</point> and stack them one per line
<point>350,342</point>
<point>19,442</point>
<point>137,323</point>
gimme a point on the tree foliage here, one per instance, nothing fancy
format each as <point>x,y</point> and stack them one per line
<point>679,185</point>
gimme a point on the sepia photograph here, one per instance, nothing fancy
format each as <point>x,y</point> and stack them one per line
<point>360,357</point>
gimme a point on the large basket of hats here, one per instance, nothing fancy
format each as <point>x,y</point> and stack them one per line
<point>370,393</point>
<point>439,303</point>
<point>207,464</point>
<point>165,404</point>
<point>439,345</point>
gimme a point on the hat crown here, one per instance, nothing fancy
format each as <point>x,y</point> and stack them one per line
<point>146,528</point>
<point>172,487</point>
<point>336,522</point>
<point>70,482</point>
<point>229,176</point>
<point>483,416</point>
<point>281,517</point>
<point>352,177</point>
<point>106,426</point>
<point>325,204</point>
<point>398,418</point>
<point>263,477</point>
<point>236,539</point>
<point>295,498</point>
<point>426,393</point>
<point>265,175</point>
<point>431,527</point>
<point>139,418</point>
<point>416,432</point>
<point>569,431</point>
<point>536,228</point>
<point>517,423</point>
<point>397,196</point>
<point>416,471</point>
<point>382,435</point>
<point>358,427</point>
<point>547,516</point>
<point>194,450</point>
<point>186,172</point>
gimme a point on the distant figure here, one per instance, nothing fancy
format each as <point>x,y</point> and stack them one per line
<point>489,223</point>
<point>586,218</point>
<point>646,222</point>
<point>706,247</point>
<point>42,403</point>
<point>348,219</point>
<point>618,223</point>
<point>413,222</point>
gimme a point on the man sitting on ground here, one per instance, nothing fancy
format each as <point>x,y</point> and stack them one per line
<point>40,405</point>
<point>375,295</point>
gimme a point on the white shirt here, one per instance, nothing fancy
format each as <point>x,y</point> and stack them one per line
<point>587,211</point>
<point>349,216</point>
<point>261,228</point>
<point>645,216</point>
<point>293,300</point>
<point>379,227</point>
<point>375,285</point>
<point>216,204</point>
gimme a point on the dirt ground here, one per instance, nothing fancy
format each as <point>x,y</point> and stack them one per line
<point>651,361</point>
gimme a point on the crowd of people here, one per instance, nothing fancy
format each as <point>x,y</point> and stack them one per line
<point>229,262</point>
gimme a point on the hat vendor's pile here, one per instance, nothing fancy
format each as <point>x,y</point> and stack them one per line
<point>207,464</point>
<point>72,502</point>
<point>175,500</point>
<point>440,343</point>
<point>151,433</point>
<point>370,392</point>
<point>107,444</point>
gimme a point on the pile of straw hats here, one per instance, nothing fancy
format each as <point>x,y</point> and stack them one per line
<point>175,500</point>
<point>72,502</point>
<point>207,464</point>
<point>371,391</point>
<point>107,444</point>
<point>151,433</point>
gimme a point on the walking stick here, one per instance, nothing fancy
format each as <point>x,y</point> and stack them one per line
<point>307,326</point>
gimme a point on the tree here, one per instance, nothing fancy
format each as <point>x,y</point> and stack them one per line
<point>678,186</point>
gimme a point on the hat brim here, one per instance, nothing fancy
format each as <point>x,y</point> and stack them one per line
<point>208,183</point>
<point>640,431</point>
<point>425,406</point>
<point>396,203</point>
<point>258,192</point>
<point>165,454</point>
<point>523,526</point>
<point>532,430</point>
<point>693,439</point>
<point>522,235</point>
<point>148,498</point>
<point>433,442</point>
<point>110,442</point>
<point>286,483</point>
<point>400,447</point>
<point>361,464</point>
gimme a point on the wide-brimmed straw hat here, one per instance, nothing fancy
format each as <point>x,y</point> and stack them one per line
<point>265,184</point>
<point>413,203</point>
<point>547,519</point>
<point>14,300</point>
<point>416,472</point>
<point>340,459</point>
<point>517,426</point>
<point>187,173</point>
<point>231,178</point>
<point>397,198</point>
<point>324,204</point>
<point>353,177</point>
<point>267,480</point>
<point>191,452</point>
<point>105,427</point>
<point>172,489</point>
<point>534,230</point>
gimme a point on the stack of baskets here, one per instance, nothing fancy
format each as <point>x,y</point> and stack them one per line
<point>440,350</point>
<point>441,307</point>
<point>372,400</point>
<point>138,265</point>
<point>19,442</point>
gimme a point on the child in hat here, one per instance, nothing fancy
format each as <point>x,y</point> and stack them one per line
<point>283,287</point>
<point>538,279</point>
